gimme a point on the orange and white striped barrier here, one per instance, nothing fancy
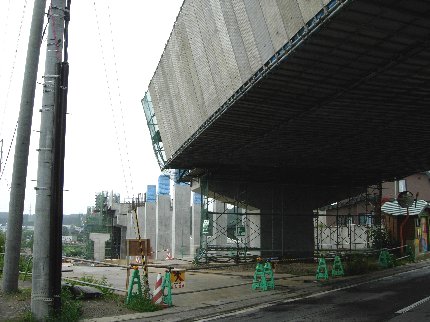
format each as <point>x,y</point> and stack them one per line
<point>157,297</point>
<point>168,256</point>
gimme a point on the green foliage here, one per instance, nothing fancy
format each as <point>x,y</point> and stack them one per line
<point>74,250</point>
<point>142,305</point>
<point>2,241</point>
<point>360,264</point>
<point>27,239</point>
<point>70,308</point>
<point>381,238</point>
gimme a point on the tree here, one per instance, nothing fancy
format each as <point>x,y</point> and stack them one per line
<point>2,241</point>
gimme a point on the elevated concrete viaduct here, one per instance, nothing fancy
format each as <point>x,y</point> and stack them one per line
<point>302,102</point>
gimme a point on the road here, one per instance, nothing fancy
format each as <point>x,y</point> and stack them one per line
<point>402,297</point>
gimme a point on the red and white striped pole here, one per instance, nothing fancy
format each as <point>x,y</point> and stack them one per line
<point>157,297</point>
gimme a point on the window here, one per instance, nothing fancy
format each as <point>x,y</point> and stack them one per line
<point>365,219</point>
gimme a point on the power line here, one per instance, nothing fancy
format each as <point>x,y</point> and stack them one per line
<point>120,98</point>
<point>13,68</point>
<point>8,151</point>
<point>110,98</point>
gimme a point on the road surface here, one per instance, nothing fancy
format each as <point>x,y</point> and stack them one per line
<point>402,297</point>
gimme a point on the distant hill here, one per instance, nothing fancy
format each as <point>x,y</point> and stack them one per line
<point>74,219</point>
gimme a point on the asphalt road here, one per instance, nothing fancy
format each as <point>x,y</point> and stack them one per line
<point>402,297</point>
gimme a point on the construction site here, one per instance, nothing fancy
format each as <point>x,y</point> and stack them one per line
<point>286,133</point>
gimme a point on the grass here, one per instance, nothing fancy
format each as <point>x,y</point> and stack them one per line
<point>141,304</point>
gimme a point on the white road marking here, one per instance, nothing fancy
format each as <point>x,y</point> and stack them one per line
<point>412,306</point>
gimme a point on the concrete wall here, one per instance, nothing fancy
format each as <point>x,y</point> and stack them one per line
<point>215,47</point>
<point>181,221</point>
<point>163,228</point>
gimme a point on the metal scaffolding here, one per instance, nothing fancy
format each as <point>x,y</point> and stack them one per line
<point>347,225</point>
<point>227,229</point>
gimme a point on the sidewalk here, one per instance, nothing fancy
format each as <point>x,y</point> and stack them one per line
<point>209,293</point>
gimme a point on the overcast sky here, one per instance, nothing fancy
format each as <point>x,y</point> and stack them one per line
<point>108,147</point>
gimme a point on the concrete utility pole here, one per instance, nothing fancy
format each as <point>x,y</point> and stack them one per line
<point>41,296</point>
<point>19,176</point>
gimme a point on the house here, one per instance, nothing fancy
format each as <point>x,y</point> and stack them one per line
<point>359,210</point>
<point>408,225</point>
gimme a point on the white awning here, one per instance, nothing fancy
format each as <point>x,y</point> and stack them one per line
<point>393,208</point>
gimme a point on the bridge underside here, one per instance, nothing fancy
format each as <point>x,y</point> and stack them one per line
<point>347,108</point>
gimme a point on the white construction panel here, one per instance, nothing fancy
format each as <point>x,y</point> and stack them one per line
<point>310,8</point>
<point>194,94</point>
<point>247,36</point>
<point>200,60</point>
<point>291,16</point>
<point>275,25</point>
<point>259,30</point>
<point>225,51</point>
<point>185,87</point>
<point>236,40</point>
<point>206,27</point>
<point>215,47</point>
<point>174,99</point>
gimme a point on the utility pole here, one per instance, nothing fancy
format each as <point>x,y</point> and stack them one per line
<point>42,294</point>
<point>19,176</point>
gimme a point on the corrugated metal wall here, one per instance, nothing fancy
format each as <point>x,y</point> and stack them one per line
<point>216,46</point>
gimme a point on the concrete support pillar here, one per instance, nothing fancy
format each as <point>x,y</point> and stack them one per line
<point>289,235</point>
<point>99,245</point>
<point>132,225</point>
<point>253,231</point>
<point>163,239</point>
<point>150,225</point>
<point>196,217</point>
<point>181,221</point>
<point>123,246</point>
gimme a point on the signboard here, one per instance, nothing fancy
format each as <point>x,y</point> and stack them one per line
<point>205,227</point>
<point>177,278</point>
<point>133,247</point>
<point>240,231</point>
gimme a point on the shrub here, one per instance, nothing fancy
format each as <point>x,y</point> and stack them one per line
<point>360,264</point>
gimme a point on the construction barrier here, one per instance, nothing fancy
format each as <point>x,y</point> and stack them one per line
<point>157,296</point>
<point>263,276</point>
<point>167,284</point>
<point>337,269</point>
<point>135,280</point>
<point>385,259</point>
<point>322,272</point>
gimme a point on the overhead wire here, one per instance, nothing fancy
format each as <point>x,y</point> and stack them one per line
<point>119,97</point>
<point>12,72</point>
<point>24,9</point>
<point>8,151</point>
<point>110,98</point>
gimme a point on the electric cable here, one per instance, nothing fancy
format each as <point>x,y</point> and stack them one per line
<point>110,98</point>
<point>8,151</point>
<point>13,68</point>
<point>119,97</point>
